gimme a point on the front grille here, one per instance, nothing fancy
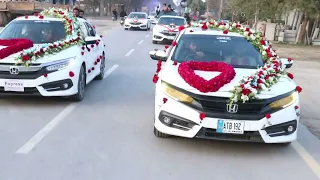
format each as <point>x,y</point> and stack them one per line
<point>219,104</point>
<point>169,34</point>
<point>31,72</point>
<point>249,136</point>
<point>135,23</point>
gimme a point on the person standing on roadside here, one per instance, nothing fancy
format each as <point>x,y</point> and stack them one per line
<point>76,12</point>
<point>115,14</point>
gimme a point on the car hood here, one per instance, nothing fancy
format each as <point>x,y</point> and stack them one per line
<point>64,54</point>
<point>161,27</point>
<point>170,75</point>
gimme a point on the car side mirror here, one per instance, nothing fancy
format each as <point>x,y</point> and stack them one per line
<point>90,40</point>
<point>158,55</point>
<point>125,17</point>
<point>286,62</point>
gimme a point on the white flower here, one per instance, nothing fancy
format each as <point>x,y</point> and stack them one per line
<point>235,99</point>
<point>244,98</point>
<point>264,53</point>
<point>263,86</point>
<point>252,37</point>
<point>246,33</point>
<point>234,24</point>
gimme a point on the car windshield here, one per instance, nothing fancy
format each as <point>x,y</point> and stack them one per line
<point>236,51</point>
<point>38,32</point>
<point>138,15</point>
<point>169,20</point>
<point>152,14</point>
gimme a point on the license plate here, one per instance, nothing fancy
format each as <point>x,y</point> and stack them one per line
<point>232,127</point>
<point>16,86</point>
<point>171,37</point>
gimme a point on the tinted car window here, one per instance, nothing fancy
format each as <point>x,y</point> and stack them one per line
<point>236,51</point>
<point>170,13</point>
<point>175,21</point>
<point>39,31</point>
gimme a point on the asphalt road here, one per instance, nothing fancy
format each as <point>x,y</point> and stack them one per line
<point>109,135</point>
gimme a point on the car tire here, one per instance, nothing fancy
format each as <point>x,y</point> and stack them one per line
<point>154,42</point>
<point>126,29</point>
<point>159,134</point>
<point>102,68</point>
<point>81,86</point>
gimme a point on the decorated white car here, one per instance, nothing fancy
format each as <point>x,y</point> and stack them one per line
<point>152,17</point>
<point>137,20</point>
<point>50,54</point>
<point>224,82</point>
<point>167,28</point>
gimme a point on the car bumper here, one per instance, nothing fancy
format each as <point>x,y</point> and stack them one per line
<point>157,36</point>
<point>58,83</point>
<point>186,123</point>
<point>154,21</point>
<point>140,26</point>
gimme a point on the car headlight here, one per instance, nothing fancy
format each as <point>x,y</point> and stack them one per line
<point>179,96</point>
<point>285,102</point>
<point>60,65</point>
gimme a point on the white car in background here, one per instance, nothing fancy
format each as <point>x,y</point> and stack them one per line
<point>137,20</point>
<point>167,28</point>
<point>152,17</point>
<point>178,104</point>
<point>64,74</point>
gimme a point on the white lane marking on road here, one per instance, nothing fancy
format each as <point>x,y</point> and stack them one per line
<point>147,36</point>
<point>311,162</point>
<point>29,145</point>
<point>37,138</point>
<point>129,53</point>
<point>140,42</point>
<point>109,71</point>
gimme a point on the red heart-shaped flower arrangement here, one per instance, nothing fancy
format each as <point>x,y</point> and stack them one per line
<point>13,46</point>
<point>186,71</point>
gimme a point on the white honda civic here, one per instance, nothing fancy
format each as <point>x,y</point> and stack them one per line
<point>137,20</point>
<point>50,54</point>
<point>208,86</point>
<point>167,28</point>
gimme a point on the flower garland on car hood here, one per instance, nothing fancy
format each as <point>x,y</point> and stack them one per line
<point>73,31</point>
<point>265,77</point>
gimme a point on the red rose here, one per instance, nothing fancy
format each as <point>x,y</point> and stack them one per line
<point>290,75</point>
<point>174,43</point>
<point>155,78</point>
<point>26,17</point>
<point>95,63</point>
<point>181,28</point>
<point>191,30</point>
<point>166,47</point>
<point>92,46</point>
<point>175,63</point>
<point>296,107</point>
<point>247,29</point>
<point>238,26</point>
<point>263,42</point>
<point>268,116</point>
<point>41,17</point>
<point>165,100</point>
<point>204,26</point>
<point>25,58</point>
<point>289,59</point>
<point>202,116</point>
<point>246,92</point>
<point>299,89</point>
<point>225,32</point>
